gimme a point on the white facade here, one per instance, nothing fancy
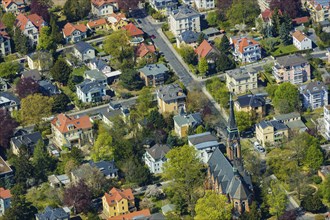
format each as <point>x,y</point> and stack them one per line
<point>204,4</point>
<point>86,55</point>
<point>102,10</point>
<point>5,47</point>
<point>4,205</point>
<point>155,166</point>
<point>31,32</point>
<point>326,118</point>
<point>302,44</point>
<point>184,19</point>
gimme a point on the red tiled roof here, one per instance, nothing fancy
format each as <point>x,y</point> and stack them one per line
<point>99,3</point>
<point>96,23</point>
<point>36,20</point>
<point>62,122</point>
<point>244,42</point>
<point>70,28</point>
<point>132,30</point>
<point>7,3</point>
<point>132,215</point>
<point>118,17</point>
<point>300,20</point>
<point>203,49</point>
<point>318,7</point>
<point>267,14</point>
<point>143,49</point>
<point>115,195</point>
<point>5,193</point>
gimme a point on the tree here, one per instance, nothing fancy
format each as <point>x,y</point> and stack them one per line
<point>224,45</point>
<point>76,10</point>
<point>61,71</point>
<point>144,101</point>
<point>271,89</point>
<point>188,54</point>
<point>243,12</point>
<point>135,172</point>
<point>102,149</point>
<point>41,7</point>
<point>128,5</point>
<point>286,98</point>
<point>253,214</point>
<point>285,34</point>
<point>195,102</point>
<point>314,157</point>
<point>201,38</point>
<point>130,79</point>
<point>312,203</point>
<point>79,196</point>
<point>21,42</point>
<point>42,162</point>
<point>276,199</point>
<point>34,108</point>
<point>224,63</point>
<point>8,19</point>
<point>223,5</point>
<point>55,33</point>
<point>61,102</point>
<point>184,169</point>
<point>8,70</point>
<point>20,209</point>
<point>203,66</point>
<point>23,167</point>
<point>26,87</point>
<point>46,42</point>
<point>212,18</point>
<point>213,206</point>
<point>244,120</point>
<point>7,125</point>
<point>200,129</point>
<point>291,7</point>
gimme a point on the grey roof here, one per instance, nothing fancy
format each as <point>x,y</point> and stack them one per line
<point>99,63</point>
<point>106,167</point>
<point>297,124</point>
<point>88,86</point>
<point>273,123</point>
<point>53,214</point>
<point>237,184</point>
<point>82,46</point>
<point>251,100</point>
<point>190,119</point>
<point>158,151</point>
<point>313,87</point>
<point>170,92</point>
<point>29,140</point>
<point>241,73</point>
<point>184,12</point>
<point>47,88</point>
<point>157,216</point>
<point>160,4</point>
<point>203,140</point>
<point>168,208</point>
<point>291,60</point>
<point>284,117</point>
<point>6,98</point>
<point>211,31</point>
<point>111,113</point>
<point>34,74</point>
<point>95,75</point>
<point>154,69</point>
<point>189,36</point>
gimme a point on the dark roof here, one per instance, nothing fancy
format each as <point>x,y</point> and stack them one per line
<point>158,151</point>
<point>106,167</point>
<point>184,12</point>
<point>273,123</point>
<point>189,36</point>
<point>47,88</point>
<point>83,46</point>
<point>291,60</point>
<point>313,87</point>
<point>99,63</point>
<point>53,214</point>
<point>203,140</point>
<point>251,100</point>
<point>231,121</point>
<point>89,85</point>
<point>7,98</point>
<point>34,74</point>
<point>29,140</point>
<point>237,184</point>
<point>170,92</point>
<point>154,69</point>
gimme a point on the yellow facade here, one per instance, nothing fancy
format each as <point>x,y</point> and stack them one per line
<point>117,26</point>
<point>267,135</point>
<point>116,208</point>
<point>170,107</point>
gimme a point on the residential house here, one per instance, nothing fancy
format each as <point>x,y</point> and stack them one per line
<point>204,4</point>
<point>314,94</point>
<point>326,119</point>
<point>95,75</point>
<point>188,37</point>
<point>83,51</point>
<point>134,32</point>
<point>271,132</point>
<point>212,33</point>
<point>292,121</point>
<point>155,157</point>
<point>28,140</point>
<point>103,7</point>
<point>246,50</point>
<point>292,68</point>
<point>241,80</point>
<point>71,131</point>
<point>300,21</point>
<point>170,98</point>
<point>5,200</point>
<point>5,170</point>
<point>14,6</point>
<point>147,52</point>
<point>301,41</point>
<point>54,214</point>
<point>33,74</point>
<point>40,60</point>
<point>154,74</point>
<point>5,46</point>
<point>117,21</point>
<point>143,214</point>
<point>99,65</point>
<point>118,202</point>
<point>183,121</point>
<point>319,9</point>
<point>255,104</point>
<point>9,102</point>
<point>48,89</point>
<point>108,115</point>
<point>164,6</point>
<point>30,25</point>
<point>267,15</point>
<point>3,85</point>
<point>184,18</point>
<point>74,33</point>
<point>57,181</point>
<point>205,144</point>
<point>100,24</point>
<point>108,168</point>
<point>207,51</point>
<point>91,91</point>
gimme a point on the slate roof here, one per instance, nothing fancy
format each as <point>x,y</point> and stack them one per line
<point>47,88</point>
<point>253,101</point>
<point>106,167</point>
<point>95,75</point>
<point>170,92</point>
<point>53,214</point>
<point>273,123</point>
<point>211,31</point>
<point>241,73</point>
<point>189,36</point>
<point>29,140</point>
<point>154,69</point>
<point>188,119</point>
<point>313,87</point>
<point>168,208</point>
<point>158,151</point>
<point>88,86</point>
<point>99,63</point>
<point>291,60</point>
<point>34,74</point>
<point>284,117</point>
<point>8,98</point>
<point>203,140</point>
<point>82,47</point>
<point>236,183</point>
<point>184,12</point>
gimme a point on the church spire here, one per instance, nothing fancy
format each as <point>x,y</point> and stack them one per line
<point>231,121</point>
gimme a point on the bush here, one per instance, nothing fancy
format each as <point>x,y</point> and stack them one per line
<point>317,179</point>
<point>312,203</point>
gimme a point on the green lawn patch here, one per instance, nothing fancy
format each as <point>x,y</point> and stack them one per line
<point>282,50</point>
<point>79,71</point>
<point>170,36</point>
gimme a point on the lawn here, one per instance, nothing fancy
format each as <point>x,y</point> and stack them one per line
<point>79,71</point>
<point>170,36</point>
<point>282,50</point>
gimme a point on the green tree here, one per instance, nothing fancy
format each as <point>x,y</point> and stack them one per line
<point>9,69</point>
<point>243,12</point>
<point>312,203</point>
<point>244,120</point>
<point>224,63</point>
<point>8,19</point>
<point>200,129</point>
<point>285,34</point>
<point>144,101</point>
<point>184,168</point>
<point>212,18</point>
<point>76,10</point>
<point>276,200</point>
<point>253,214</point>
<point>271,89</point>
<point>61,102</point>
<point>34,108</point>
<point>224,45</point>
<point>42,161</point>
<point>213,206</point>
<point>102,149</point>
<point>135,172</point>
<point>286,98</point>
<point>21,42</point>
<point>55,33</point>
<point>314,157</point>
<point>61,71</point>
<point>20,209</point>
<point>201,38</point>
<point>203,66</point>
<point>130,79</point>
<point>188,54</point>
<point>276,18</point>
<point>46,42</point>
<point>23,167</point>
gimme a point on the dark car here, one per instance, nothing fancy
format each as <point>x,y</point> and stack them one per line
<point>152,36</point>
<point>138,21</point>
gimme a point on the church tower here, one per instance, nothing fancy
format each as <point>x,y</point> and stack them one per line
<point>233,141</point>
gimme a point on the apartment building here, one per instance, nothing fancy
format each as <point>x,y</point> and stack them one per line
<point>271,132</point>
<point>314,94</point>
<point>164,6</point>
<point>184,18</point>
<point>318,9</point>
<point>246,50</point>
<point>241,81</point>
<point>170,98</point>
<point>155,157</point>
<point>301,41</point>
<point>30,25</point>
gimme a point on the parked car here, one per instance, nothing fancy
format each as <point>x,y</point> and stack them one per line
<point>152,36</point>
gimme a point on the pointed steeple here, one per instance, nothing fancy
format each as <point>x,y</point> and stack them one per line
<point>231,121</point>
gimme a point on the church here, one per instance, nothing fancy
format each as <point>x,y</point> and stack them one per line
<point>226,174</point>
